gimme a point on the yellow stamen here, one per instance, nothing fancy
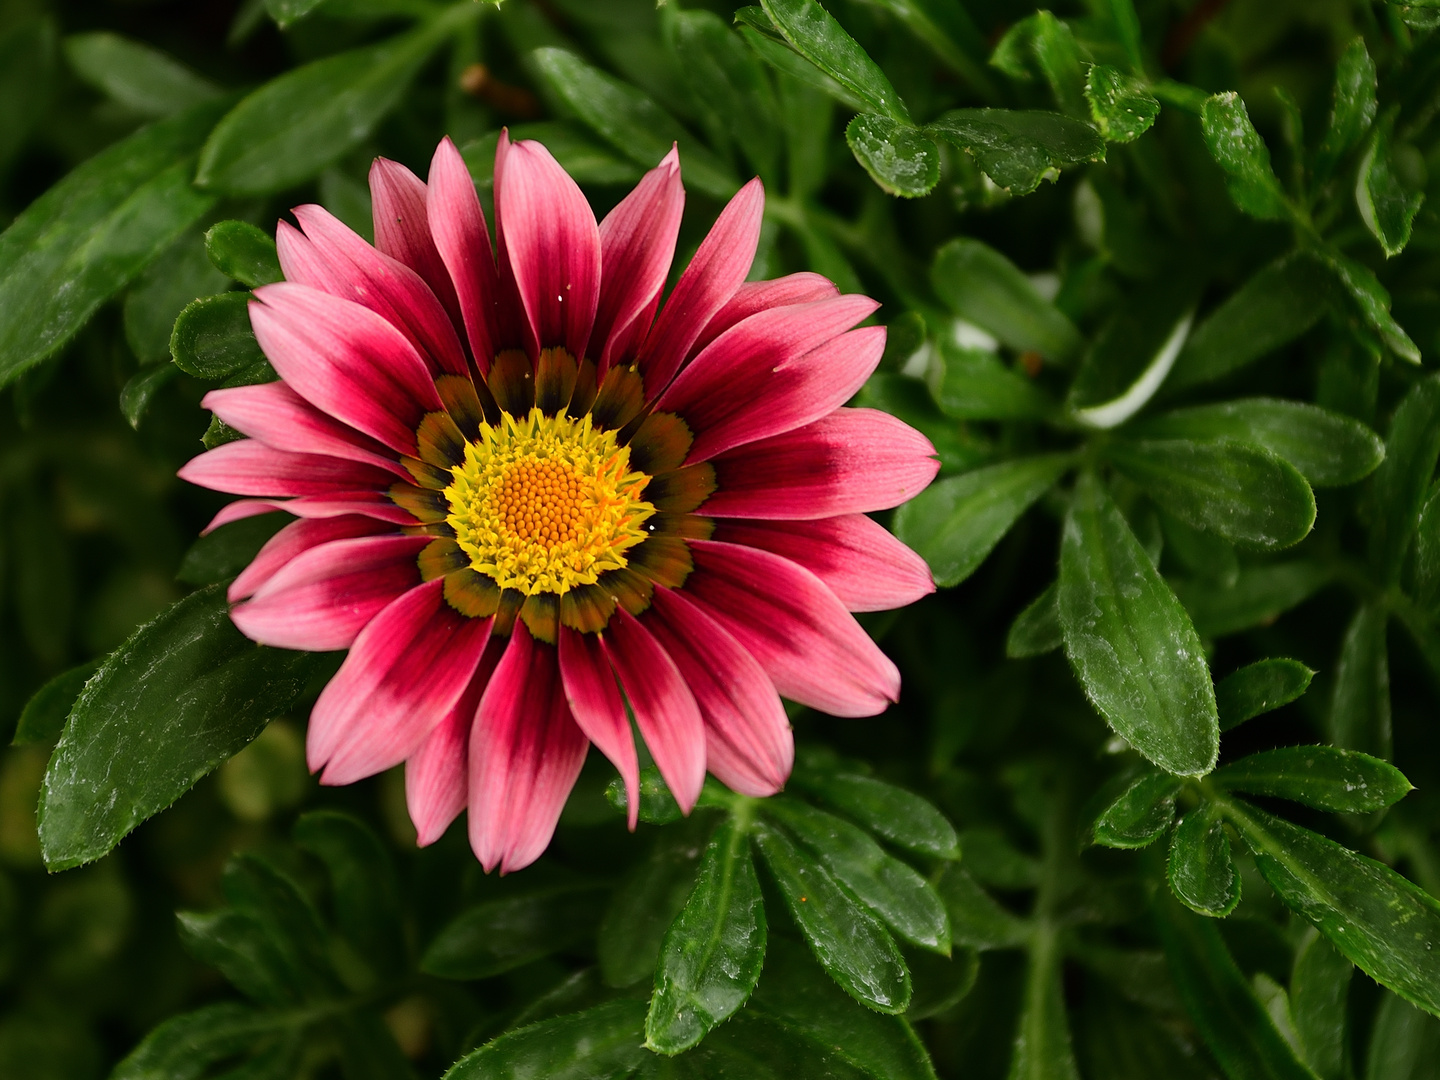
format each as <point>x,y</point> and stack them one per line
<point>546,503</point>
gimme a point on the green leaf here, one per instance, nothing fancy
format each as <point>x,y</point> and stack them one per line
<point>1259,596</point>
<point>292,127</point>
<point>243,253</point>
<point>1220,1001</point>
<point>43,717</point>
<point>712,954</point>
<point>222,554</point>
<point>1132,356</point>
<point>1036,630</point>
<point>760,34</point>
<point>954,523</point>
<point>888,887</point>
<point>1319,990</point>
<point>1353,108</point>
<point>89,235</point>
<point>1127,31</point>
<point>286,12</point>
<point>1259,688</point>
<point>1386,207</point>
<point>1241,491</point>
<point>1277,305</point>
<point>213,340</point>
<point>1141,815</point>
<point>152,304</point>
<point>184,693</point>
<point>815,35</point>
<point>657,805</point>
<point>1238,149</point>
<point>1386,925</point>
<point>1360,700</point>
<point>1328,449</point>
<point>259,890</point>
<point>1043,43</point>
<point>1426,578</point>
<point>1403,479</point>
<point>596,1044</point>
<point>140,390</point>
<point>850,944</point>
<point>993,860</point>
<point>1200,870</point>
<point>1019,148</point>
<point>1373,302</point>
<point>27,76</point>
<point>1201,553</point>
<point>1129,640</point>
<point>982,286</point>
<point>1042,1040</point>
<point>897,815</point>
<point>647,901</point>
<point>144,79</point>
<point>900,395</point>
<point>903,160</point>
<point>628,120</point>
<point>951,34</point>
<point>1324,777</point>
<point>975,385</point>
<point>500,935</point>
<point>975,919</point>
<point>1121,105</point>
<point>185,1046</point>
<point>1404,1042</point>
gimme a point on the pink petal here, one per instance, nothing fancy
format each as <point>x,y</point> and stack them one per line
<point>402,228</point>
<point>857,557</point>
<point>436,775</point>
<point>406,669</point>
<point>664,707</point>
<point>714,274</point>
<point>553,246</point>
<point>333,258</point>
<point>748,741</point>
<point>756,296</point>
<point>345,360</point>
<point>774,372</point>
<point>595,703</point>
<point>325,596</point>
<point>525,754</point>
<point>294,538</point>
<point>811,647</point>
<point>249,467</point>
<point>637,242</point>
<point>457,225</point>
<point>280,418</point>
<point>369,503</point>
<point>852,461</point>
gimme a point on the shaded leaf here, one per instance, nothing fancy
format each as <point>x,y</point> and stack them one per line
<point>1141,814</point>
<point>976,385</point>
<point>137,76</point>
<point>1258,688</point>
<point>1404,1042</point>
<point>499,935</point>
<point>27,76</point>
<point>185,1046</point>
<point>976,920</point>
<point>897,815</point>
<point>1360,698</point>
<point>1260,595</point>
<point>1352,110</point>
<point>213,339</point>
<point>1373,303</point>
<point>1036,630</point>
<point>140,390</point>
<point>1324,777</point>
<point>1412,448</point>
<point>1042,1041</point>
<point>43,717</point>
<point>647,901</point>
<point>602,1042</point>
<point>982,286</point>
<point>1319,989</point>
<point>225,552</point>
<point>1386,207</point>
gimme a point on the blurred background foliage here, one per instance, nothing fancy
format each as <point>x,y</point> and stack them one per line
<point>1040,285</point>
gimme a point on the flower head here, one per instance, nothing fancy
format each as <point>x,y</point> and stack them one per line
<point>527,494</point>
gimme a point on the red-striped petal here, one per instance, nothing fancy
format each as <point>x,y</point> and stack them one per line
<point>402,228</point>
<point>297,537</point>
<point>756,296</point>
<point>249,467</point>
<point>457,225</point>
<point>595,702</point>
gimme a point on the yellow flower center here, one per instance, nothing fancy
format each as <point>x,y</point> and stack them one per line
<point>546,503</point>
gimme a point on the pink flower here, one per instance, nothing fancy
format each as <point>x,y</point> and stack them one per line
<point>527,494</point>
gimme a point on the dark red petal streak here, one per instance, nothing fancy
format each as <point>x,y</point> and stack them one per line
<point>297,537</point>
<point>402,228</point>
<point>372,504</point>
<point>457,225</point>
<point>754,297</point>
<point>249,467</point>
<point>595,703</point>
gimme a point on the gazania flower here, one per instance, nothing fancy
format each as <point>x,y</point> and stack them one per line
<point>525,499</point>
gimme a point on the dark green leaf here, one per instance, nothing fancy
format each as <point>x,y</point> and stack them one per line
<point>1019,148</point>
<point>628,120</point>
<point>1238,149</point>
<point>1360,700</point>
<point>137,76</point>
<point>1042,1041</point>
<point>1319,989</point>
<point>1386,925</point>
<point>1328,449</point>
<point>1234,1024</point>
<point>140,390</point>
<point>1059,58</point>
<point>1201,871</point>
<point>1141,815</point>
<point>1243,492</point>
<point>184,1047</point>
<point>815,35</point>
<point>1427,551</point>
<point>1403,479</point>
<point>776,51</point>
<point>152,304</point>
<point>900,816</point>
<point>27,74</point>
<point>977,386</point>
<point>1137,655</point>
<point>1324,777</point>
<point>291,128</point>
<point>975,919</point>
<point>951,33</point>
<point>1121,105</point>
<point>850,944</point>
<point>1260,595</point>
<point>1258,688</point>
<point>1127,31</point>
<point>1036,630</point>
<point>955,523</point>
<point>1353,108</point>
<point>499,935</point>
<point>657,805</point>
<point>647,902</point>
<point>243,253</point>
<point>258,889</point>
<point>223,553</point>
<point>903,160</point>
<point>1404,1042</point>
<point>43,717</point>
<point>1201,553</point>
<point>1386,207</point>
<point>238,946</point>
<point>985,288</point>
<point>183,694</point>
<point>941,982</point>
<point>991,859</point>
<point>213,340</point>
<point>89,235</point>
<point>597,1044</point>
<point>888,887</point>
<point>711,956</point>
<point>1373,302</point>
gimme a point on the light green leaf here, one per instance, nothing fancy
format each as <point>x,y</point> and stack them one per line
<point>897,815</point>
<point>983,287</point>
<point>760,34</point>
<point>144,79</point>
<point>1259,688</point>
<point>597,1044</point>
<point>954,523</point>
<point>901,159</point>
<point>1324,777</point>
<point>1319,991</point>
<point>815,35</point>
<point>1360,700</point>
<point>1036,630</point>
<point>183,694</point>
<point>1238,149</point>
<point>1019,148</point>
<point>1386,207</point>
<point>243,253</point>
<point>1260,595</point>
<point>500,935</point>
<point>1141,815</point>
<point>976,385</point>
<point>1121,106</point>
<point>1129,640</point>
<point>1352,110</point>
<point>1127,31</point>
<point>1200,870</point>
